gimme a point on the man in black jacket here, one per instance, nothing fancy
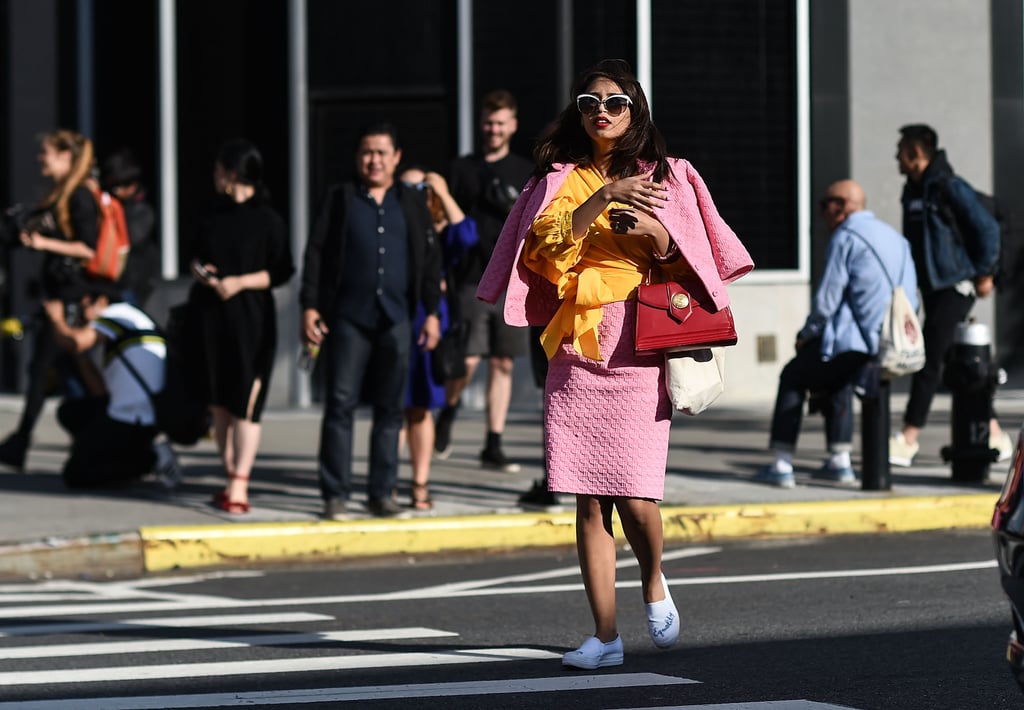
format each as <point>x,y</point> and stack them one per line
<point>371,257</point>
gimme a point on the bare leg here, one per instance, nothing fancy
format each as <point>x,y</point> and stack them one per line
<point>499,392</point>
<point>910,433</point>
<point>224,436</point>
<point>420,426</point>
<point>453,389</point>
<point>994,430</point>
<point>641,523</point>
<point>246,444</point>
<point>595,547</point>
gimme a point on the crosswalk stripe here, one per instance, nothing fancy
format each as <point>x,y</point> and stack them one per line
<point>357,694</point>
<point>261,667</point>
<point>112,648</point>
<point>81,627</point>
<point>766,705</point>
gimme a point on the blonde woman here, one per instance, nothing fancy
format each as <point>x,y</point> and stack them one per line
<point>64,226</point>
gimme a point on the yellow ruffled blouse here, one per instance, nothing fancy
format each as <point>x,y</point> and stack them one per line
<point>601,267</point>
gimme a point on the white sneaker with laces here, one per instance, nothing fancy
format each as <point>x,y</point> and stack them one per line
<point>901,452</point>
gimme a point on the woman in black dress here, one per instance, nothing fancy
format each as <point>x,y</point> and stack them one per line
<point>241,253</point>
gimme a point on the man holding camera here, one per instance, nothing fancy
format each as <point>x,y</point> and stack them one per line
<point>486,185</point>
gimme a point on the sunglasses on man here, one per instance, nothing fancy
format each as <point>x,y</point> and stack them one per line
<point>614,104</point>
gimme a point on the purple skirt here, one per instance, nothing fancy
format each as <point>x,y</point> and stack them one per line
<point>608,422</point>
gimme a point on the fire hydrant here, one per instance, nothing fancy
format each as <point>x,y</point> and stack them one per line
<point>972,378</point>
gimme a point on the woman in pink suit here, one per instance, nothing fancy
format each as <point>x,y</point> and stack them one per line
<point>606,208</point>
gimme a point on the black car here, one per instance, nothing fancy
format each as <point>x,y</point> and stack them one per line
<point>1008,531</point>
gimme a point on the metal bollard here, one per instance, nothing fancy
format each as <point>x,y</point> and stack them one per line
<point>971,377</point>
<point>874,436</point>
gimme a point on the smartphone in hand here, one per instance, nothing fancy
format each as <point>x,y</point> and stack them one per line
<point>201,271</point>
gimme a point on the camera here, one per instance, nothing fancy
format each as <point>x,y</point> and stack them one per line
<point>20,218</point>
<point>500,196</point>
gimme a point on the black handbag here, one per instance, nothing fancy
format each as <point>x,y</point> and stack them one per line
<point>448,359</point>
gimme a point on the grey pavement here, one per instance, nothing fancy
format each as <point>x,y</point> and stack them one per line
<point>711,459</point>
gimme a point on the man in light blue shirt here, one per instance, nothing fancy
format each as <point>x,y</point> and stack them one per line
<point>866,258</point>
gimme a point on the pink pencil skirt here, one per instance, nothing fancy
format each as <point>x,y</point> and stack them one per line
<point>607,423</point>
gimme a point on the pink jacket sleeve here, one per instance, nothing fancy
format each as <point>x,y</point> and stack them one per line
<point>707,243</point>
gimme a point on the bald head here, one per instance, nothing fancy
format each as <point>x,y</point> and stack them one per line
<point>842,198</point>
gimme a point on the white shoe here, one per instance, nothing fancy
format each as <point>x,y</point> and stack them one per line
<point>902,453</point>
<point>1003,444</point>
<point>594,653</point>
<point>663,619</point>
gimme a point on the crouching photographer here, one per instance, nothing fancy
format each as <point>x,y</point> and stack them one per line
<point>64,226</point>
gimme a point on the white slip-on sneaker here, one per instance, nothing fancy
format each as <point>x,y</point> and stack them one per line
<point>594,653</point>
<point>663,619</point>
<point>901,452</point>
<point>1003,444</point>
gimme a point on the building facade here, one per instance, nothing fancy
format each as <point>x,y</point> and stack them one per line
<point>771,100</point>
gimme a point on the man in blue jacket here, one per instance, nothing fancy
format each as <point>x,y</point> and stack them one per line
<point>955,243</point>
<point>866,258</point>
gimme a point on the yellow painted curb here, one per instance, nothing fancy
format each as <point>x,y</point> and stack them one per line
<point>174,547</point>
<point>863,515</point>
<point>165,548</point>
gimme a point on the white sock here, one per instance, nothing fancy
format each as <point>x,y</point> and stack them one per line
<point>783,462</point>
<point>838,460</point>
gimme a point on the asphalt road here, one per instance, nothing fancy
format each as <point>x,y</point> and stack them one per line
<point>895,621</point>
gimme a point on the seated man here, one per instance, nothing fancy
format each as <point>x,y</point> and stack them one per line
<point>866,258</point>
<point>112,429</point>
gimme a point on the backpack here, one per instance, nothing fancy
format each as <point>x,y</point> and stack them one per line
<point>180,414</point>
<point>901,341</point>
<point>1006,267</point>
<point>112,241</point>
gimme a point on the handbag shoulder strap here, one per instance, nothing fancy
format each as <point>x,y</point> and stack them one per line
<point>892,284</point>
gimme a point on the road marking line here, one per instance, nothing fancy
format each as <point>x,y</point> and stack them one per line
<point>572,570</point>
<point>220,669</point>
<point>572,682</point>
<point>80,627</point>
<point>766,705</point>
<point>111,648</point>
<point>430,593</point>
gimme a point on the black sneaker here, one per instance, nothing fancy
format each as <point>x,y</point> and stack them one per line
<point>12,452</point>
<point>384,507</point>
<point>166,468</point>
<point>443,432</point>
<point>539,496</point>
<point>495,459</point>
<point>336,509</point>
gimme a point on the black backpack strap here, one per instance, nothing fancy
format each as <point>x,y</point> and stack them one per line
<point>138,378</point>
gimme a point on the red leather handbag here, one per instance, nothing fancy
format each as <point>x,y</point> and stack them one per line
<point>669,319</point>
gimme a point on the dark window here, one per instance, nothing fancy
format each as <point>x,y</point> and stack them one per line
<point>372,62</point>
<point>514,49</point>
<point>725,98</point>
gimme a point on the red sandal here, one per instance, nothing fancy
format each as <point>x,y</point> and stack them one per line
<point>222,501</point>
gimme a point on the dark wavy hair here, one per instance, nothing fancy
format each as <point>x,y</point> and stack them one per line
<point>566,141</point>
<point>243,159</point>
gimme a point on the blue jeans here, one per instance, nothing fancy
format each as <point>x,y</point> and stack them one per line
<point>363,365</point>
<point>805,373</point>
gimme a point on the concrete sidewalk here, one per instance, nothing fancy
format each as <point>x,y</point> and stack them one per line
<point>46,530</point>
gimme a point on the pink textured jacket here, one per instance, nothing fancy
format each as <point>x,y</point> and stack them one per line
<point>710,247</point>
